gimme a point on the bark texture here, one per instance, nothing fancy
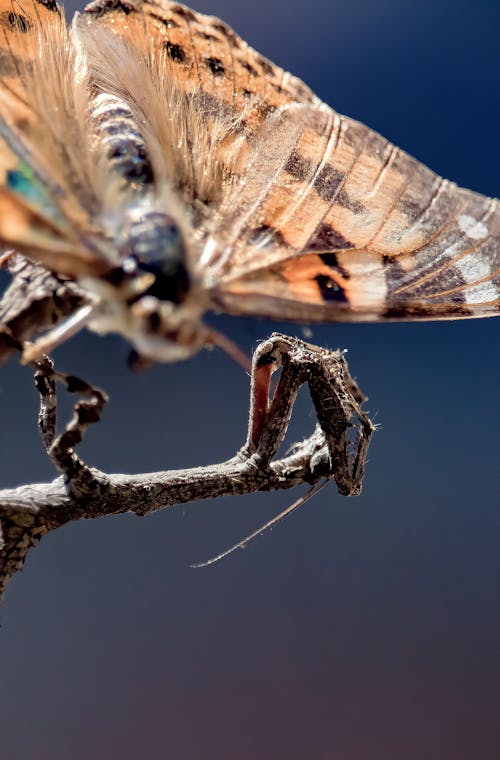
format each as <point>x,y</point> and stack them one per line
<point>335,450</point>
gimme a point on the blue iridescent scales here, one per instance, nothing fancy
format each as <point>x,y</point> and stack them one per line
<point>154,131</point>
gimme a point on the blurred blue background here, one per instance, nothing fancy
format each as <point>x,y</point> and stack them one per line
<point>362,628</point>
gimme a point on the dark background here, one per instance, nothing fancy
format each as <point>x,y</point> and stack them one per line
<point>362,628</point>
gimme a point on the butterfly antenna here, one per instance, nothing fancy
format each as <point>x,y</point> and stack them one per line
<point>264,528</point>
<point>215,338</point>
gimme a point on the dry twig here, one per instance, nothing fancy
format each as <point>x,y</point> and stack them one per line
<point>81,492</point>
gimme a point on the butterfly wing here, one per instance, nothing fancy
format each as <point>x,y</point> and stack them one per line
<point>201,91</point>
<point>45,201</point>
<point>335,223</point>
<point>208,57</point>
<point>323,218</point>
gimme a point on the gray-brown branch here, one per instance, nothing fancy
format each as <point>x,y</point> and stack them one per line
<point>80,492</point>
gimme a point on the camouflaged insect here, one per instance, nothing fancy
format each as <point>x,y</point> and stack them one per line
<point>151,155</point>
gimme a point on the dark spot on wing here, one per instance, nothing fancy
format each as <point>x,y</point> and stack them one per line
<point>329,289</point>
<point>216,66</point>
<point>51,5</point>
<point>330,259</point>
<point>265,235</point>
<point>267,67</point>
<point>209,37</point>
<point>282,90</point>
<point>345,200</point>
<point>248,67</point>
<point>168,22</point>
<point>18,22</point>
<point>179,10</point>
<point>413,209</point>
<point>102,7</point>
<point>327,182</point>
<point>327,237</point>
<point>302,91</point>
<point>175,52</point>
<point>22,124</point>
<point>298,166</point>
<point>11,66</point>
<point>228,33</point>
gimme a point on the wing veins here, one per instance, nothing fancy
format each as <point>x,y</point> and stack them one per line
<point>451,262</point>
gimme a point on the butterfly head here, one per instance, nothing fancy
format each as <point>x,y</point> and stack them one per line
<point>150,298</point>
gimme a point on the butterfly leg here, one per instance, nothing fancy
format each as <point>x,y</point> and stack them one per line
<point>60,334</point>
<point>344,428</point>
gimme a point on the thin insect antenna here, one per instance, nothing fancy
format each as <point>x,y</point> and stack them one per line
<point>264,528</point>
<point>230,348</point>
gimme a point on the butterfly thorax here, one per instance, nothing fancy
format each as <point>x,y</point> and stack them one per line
<point>154,246</point>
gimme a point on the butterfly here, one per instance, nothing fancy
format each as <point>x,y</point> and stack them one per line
<point>150,155</point>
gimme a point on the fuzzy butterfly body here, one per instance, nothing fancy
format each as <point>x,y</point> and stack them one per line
<point>150,154</point>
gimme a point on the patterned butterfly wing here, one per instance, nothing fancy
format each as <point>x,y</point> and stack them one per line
<point>325,220</point>
<point>209,57</point>
<point>349,227</point>
<point>222,83</point>
<point>23,27</point>
<point>43,183</point>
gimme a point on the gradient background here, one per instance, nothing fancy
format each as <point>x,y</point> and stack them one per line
<point>363,628</point>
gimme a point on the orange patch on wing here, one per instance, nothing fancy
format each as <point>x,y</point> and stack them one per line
<point>301,273</point>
